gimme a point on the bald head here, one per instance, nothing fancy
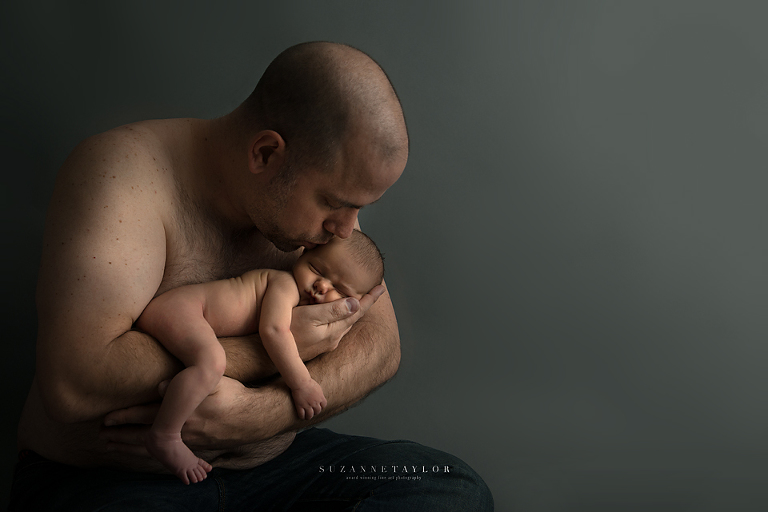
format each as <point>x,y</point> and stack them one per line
<point>317,95</point>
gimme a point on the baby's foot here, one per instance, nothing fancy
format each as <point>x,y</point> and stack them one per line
<point>174,455</point>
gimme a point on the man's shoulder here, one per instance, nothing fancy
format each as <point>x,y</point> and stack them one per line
<point>133,147</point>
<point>129,162</point>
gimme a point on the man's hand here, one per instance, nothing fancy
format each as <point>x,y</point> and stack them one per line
<point>318,328</point>
<point>207,428</point>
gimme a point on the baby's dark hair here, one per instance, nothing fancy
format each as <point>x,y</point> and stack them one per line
<point>366,253</point>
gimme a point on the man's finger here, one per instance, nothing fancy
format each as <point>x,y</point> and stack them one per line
<point>131,449</point>
<point>124,435</point>
<point>363,305</point>
<point>140,414</point>
<point>371,297</point>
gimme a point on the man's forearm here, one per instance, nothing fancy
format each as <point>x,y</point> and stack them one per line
<point>366,358</point>
<point>247,360</point>
<point>236,415</point>
<point>126,373</point>
<point>130,371</point>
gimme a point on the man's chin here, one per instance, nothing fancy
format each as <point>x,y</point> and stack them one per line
<point>286,245</point>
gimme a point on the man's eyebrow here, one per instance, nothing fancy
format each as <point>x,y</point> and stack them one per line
<point>346,204</point>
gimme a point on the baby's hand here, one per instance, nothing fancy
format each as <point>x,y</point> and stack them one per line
<point>309,399</point>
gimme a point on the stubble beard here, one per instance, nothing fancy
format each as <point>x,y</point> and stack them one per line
<point>280,188</point>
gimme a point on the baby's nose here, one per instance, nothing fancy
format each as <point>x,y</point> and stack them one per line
<point>322,285</point>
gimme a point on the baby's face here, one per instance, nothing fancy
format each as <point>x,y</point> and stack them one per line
<point>327,273</point>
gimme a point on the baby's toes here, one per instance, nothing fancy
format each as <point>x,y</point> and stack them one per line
<point>183,476</point>
<point>192,476</point>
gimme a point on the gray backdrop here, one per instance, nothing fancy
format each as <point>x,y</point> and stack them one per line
<point>576,251</point>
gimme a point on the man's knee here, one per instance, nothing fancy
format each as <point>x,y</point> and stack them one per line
<point>462,488</point>
<point>439,482</point>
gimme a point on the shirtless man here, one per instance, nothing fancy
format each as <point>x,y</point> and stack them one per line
<point>148,207</point>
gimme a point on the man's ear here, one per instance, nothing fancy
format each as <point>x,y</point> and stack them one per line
<point>267,152</point>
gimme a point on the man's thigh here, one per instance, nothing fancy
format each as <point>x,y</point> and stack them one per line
<point>321,470</point>
<point>326,471</point>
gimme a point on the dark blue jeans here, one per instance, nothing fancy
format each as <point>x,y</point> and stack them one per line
<point>321,471</point>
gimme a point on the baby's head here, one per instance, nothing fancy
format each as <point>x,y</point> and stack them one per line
<point>344,267</point>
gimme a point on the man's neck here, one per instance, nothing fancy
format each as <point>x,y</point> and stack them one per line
<point>218,169</point>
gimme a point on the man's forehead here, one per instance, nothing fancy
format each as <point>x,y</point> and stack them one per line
<point>346,190</point>
<point>367,168</point>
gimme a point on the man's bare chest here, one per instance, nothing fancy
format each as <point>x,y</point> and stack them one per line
<point>197,252</point>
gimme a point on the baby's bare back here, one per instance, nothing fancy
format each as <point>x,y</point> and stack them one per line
<point>232,306</point>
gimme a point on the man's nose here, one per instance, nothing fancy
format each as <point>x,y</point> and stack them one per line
<point>342,224</point>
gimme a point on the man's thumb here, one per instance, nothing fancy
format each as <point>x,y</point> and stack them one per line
<point>352,304</point>
<point>341,309</point>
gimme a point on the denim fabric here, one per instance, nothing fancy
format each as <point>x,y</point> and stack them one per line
<point>321,471</point>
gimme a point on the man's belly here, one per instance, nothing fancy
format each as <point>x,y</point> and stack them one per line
<point>78,444</point>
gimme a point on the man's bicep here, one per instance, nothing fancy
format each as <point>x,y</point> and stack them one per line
<point>102,261</point>
<point>378,328</point>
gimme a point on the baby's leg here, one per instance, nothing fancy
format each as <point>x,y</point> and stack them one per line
<point>184,394</point>
<point>198,348</point>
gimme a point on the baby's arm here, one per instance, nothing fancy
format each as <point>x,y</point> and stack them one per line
<point>275,331</point>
